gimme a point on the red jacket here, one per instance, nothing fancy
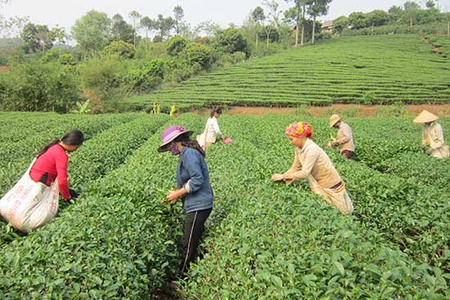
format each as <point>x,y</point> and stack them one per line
<point>54,162</point>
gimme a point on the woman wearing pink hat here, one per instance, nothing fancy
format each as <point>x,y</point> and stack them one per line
<point>193,187</point>
<point>312,162</point>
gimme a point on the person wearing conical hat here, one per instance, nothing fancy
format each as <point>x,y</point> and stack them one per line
<point>432,135</point>
<point>344,138</point>
<point>312,162</point>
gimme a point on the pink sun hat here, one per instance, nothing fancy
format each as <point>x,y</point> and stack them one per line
<point>171,133</point>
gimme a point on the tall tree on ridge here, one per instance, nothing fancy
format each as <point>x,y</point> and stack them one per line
<point>317,8</point>
<point>295,13</point>
<point>135,17</point>
<point>258,17</point>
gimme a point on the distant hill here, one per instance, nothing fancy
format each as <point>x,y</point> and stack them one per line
<point>362,69</point>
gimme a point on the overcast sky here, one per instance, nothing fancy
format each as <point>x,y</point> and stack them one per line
<point>64,13</point>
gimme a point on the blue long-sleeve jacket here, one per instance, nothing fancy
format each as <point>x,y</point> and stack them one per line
<point>193,174</point>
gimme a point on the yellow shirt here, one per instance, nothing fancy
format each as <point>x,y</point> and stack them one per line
<point>311,160</point>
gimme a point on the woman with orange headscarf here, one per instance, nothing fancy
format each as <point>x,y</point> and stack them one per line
<point>312,162</point>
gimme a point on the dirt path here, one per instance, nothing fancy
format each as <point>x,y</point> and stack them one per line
<point>351,110</point>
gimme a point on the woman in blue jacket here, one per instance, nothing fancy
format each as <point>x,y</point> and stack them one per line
<point>193,187</point>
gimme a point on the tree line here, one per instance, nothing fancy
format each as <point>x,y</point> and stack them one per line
<point>115,58</point>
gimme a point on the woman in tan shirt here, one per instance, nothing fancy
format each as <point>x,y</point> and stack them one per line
<point>344,138</point>
<point>312,162</point>
<point>432,135</point>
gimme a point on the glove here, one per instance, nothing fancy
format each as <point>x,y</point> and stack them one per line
<point>73,194</point>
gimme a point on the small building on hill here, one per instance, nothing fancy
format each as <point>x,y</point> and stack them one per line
<point>327,26</point>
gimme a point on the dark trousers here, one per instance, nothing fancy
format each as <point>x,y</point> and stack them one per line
<point>194,227</point>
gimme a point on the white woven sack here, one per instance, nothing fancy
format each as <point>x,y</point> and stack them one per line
<point>201,139</point>
<point>29,204</point>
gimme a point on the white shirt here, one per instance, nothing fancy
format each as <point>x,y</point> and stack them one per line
<point>212,130</point>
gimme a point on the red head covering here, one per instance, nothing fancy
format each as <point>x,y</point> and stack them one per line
<point>299,129</point>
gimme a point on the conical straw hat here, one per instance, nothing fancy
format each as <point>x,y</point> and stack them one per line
<point>334,119</point>
<point>425,117</point>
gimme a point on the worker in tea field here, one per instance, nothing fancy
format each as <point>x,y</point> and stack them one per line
<point>344,138</point>
<point>33,201</point>
<point>432,135</point>
<point>212,131</point>
<point>310,161</point>
<point>193,187</point>
<point>52,162</point>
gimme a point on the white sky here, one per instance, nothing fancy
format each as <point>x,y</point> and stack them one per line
<point>64,13</point>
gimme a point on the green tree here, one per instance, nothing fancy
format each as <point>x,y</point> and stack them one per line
<point>258,17</point>
<point>104,83</point>
<point>41,86</point>
<point>181,28</point>
<point>377,18</point>
<point>164,26</point>
<point>411,11</point>
<point>36,38</point>
<point>231,40</point>
<point>121,30</point>
<point>430,4</point>
<point>293,16</point>
<point>317,8</point>
<point>357,20</point>
<point>176,44</point>
<point>148,25</point>
<point>272,18</point>
<point>430,15</point>
<point>198,54</point>
<point>208,28</point>
<point>298,11</point>
<point>340,24</point>
<point>135,17</point>
<point>395,14</point>
<point>92,32</point>
<point>120,48</point>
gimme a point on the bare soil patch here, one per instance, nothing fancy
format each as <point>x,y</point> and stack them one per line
<point>353,110</point>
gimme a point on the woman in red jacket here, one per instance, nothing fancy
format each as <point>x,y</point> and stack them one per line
<point>52,161</point>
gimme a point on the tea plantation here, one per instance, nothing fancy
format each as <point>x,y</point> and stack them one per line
<point>362,69</point>
<point>265,240</point>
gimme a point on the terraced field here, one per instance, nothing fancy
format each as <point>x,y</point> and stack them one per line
<point>265,240</point>
<point>364,69</point>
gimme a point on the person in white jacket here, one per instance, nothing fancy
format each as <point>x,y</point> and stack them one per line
<point>212,131</point>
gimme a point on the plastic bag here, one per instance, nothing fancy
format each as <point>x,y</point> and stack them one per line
<point>29,204</point>
<point>201,139</point>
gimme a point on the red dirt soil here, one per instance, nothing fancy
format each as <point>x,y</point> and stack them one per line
<point>354,110</point>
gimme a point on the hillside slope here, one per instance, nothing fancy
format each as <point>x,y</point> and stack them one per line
<point>363,69</point>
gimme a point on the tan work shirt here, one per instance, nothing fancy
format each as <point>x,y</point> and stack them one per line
<point>433,135</point>
<point>311,160</point>
<point>344,138</point>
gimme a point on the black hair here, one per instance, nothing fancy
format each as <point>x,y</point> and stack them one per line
<point>72,138</point>
<point>187,142</point>
<point>215,109</point>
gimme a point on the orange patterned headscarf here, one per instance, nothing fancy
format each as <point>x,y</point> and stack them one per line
<point>299,129</point>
